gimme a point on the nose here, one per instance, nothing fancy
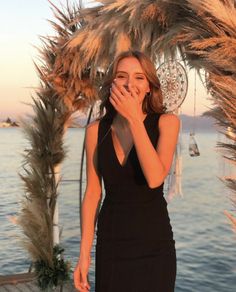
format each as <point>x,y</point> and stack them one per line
<point>129,83</point>
<point>126,87</point>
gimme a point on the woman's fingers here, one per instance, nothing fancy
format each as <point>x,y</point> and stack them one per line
<point>115,97</point>
<point>80,281</point>
<point>77,277</point>
<point>82,289</point>
<point>133,92</point>
<point>116,93</point>
<point>123,100</point>
<point>85,283</point>
<point>121,94</point>
<point>123,89</point>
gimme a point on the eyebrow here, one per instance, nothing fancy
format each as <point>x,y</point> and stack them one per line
<point>127,73</point>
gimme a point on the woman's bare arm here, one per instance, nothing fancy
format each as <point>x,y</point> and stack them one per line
<point>93,193</point>
<point>156,163</point>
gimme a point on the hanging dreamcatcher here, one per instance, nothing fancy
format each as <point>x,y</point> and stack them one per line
<point>174,85</point>
<point>193,148</point>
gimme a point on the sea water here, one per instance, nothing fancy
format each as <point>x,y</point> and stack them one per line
<point>205,242</point>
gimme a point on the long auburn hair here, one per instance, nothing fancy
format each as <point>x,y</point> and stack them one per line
<point>152,103</point>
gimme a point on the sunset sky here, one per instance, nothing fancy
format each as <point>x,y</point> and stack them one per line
<point>21,22</point>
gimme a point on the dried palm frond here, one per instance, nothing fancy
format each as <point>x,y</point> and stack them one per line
<point>220,118</point>
<point>45,131</point>
<point>232,219</point>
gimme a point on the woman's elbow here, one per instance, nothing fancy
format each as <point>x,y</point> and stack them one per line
<point>155,184</point>
<point>157,180</point>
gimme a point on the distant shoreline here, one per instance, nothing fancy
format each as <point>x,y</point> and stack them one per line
<point>199,123</point>
<point>6,125</point>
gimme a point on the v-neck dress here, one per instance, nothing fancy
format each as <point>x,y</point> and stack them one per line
<point>135,249</point>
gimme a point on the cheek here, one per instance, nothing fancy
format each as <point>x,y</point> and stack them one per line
<point>143,88</point>
<point>142,93</point>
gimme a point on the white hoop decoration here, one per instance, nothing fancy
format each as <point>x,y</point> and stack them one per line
<point>174,84</point>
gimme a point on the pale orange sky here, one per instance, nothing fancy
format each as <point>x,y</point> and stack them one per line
<point>18,75</point>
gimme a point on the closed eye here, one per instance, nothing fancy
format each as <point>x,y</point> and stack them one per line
<point>120,76</point>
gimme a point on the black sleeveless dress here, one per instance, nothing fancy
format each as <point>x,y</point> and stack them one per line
<point>135,249</point>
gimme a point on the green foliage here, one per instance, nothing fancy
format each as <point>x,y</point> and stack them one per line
<point>49,277</point>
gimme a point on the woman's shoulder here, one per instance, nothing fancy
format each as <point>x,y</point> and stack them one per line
<point>169,116</point>
<point>93,125</point>
<point>92,131</point>
<point>169,120</point>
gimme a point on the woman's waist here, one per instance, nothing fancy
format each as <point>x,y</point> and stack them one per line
<point>149,221</point>
<point>132,194</point>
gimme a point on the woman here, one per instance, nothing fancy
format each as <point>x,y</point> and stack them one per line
<point>131,147</point>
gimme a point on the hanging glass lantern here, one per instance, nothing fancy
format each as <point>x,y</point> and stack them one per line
<point>193,148</point>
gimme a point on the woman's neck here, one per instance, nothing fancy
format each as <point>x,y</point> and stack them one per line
<point>120,120</point>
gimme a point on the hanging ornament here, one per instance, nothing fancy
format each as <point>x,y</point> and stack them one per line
<point>231,133</point>
<point>174,87</point>
<point>193,148</point>
<point>174,84</point>
<point>174,179</point>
